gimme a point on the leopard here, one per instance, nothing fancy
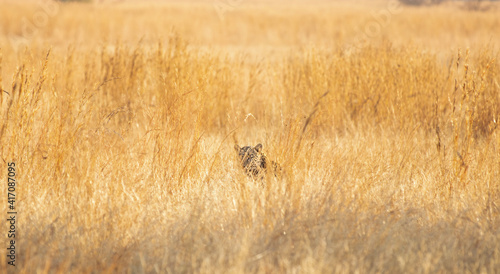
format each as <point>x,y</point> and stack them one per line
<point>255,162</point>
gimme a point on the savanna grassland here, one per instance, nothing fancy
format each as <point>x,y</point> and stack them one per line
<point>121,118</point>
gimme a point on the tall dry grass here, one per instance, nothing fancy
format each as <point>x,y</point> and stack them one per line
<point>124,146</point>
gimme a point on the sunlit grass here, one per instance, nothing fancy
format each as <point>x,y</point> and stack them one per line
<point>389,150</point>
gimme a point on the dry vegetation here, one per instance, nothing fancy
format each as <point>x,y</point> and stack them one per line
<point>122,118</point>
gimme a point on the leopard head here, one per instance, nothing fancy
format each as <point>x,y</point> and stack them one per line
<point>252,159</point>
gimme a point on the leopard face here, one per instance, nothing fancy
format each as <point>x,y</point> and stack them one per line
<point>254,161</point>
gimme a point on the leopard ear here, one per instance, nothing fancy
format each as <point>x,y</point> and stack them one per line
<point>258,147</point>
<point>237,148</point>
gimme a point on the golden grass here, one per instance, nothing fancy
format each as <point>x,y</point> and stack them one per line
<point>122,118</point>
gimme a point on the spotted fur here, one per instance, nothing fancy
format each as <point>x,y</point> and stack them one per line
<point>255,162</point>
